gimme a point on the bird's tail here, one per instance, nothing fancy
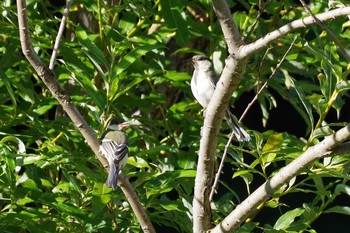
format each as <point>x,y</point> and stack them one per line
<point>112,178</point>
<point>237,129</point>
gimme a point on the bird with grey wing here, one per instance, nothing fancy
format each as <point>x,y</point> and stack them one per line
<point>115,147</point>
<point>203,84</point>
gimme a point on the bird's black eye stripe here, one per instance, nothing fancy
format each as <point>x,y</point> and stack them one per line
<point>201,58</point>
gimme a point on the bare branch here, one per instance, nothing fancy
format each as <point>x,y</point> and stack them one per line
<point>339,150</point>
<point>206,156</point>
<point>267,81</point>
<point>214,115</point>
<point>49,79</point>
<point>218,173</point>
<point>229,80</point>
<point>229,28</point>
<point>221,166</point>
<point>247,50</point>
<point>205,171</point>
<point>329,32</point>
<point>59,35</point>
<point>135,204</point>
<point>264,192</point>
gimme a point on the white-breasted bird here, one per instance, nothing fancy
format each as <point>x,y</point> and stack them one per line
<point>203,84</point>
<point>115,146</point>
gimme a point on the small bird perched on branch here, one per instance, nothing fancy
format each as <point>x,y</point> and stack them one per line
<point>203,84</point>
<point>115,147</point>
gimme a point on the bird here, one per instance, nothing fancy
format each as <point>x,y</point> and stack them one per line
<point>115,147</point>
<point>203,84</point>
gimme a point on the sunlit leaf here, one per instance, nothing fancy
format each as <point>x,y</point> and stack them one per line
<point>339,210</point>
<point>287,219</point>
<point>129,58</point>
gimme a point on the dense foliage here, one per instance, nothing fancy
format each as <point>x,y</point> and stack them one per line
<point>128,58</point>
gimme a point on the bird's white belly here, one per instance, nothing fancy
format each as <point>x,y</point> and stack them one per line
<point>202,89</point>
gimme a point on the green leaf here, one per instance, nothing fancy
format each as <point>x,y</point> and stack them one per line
<point>343,86</point>
<point>73,210</point>
<point>129,58</point>
<point>167,181</point>
<point>17,141</point>
<point>7,83</point>
<point>302,98</point>
<point>88,85</point>
<point>342,188</point>
<point>339,210</point>
<point>101,196</point>
<point>175,19</point>
<point>97,55</point>
<point>322,132</point>
<point>287,219</point>
<point>114,94</point>
<point>272,147</point>
<point>72,179</point>
<point>325,56</point>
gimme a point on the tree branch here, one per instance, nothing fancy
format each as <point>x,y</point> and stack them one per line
<point>267,81</point>
<point>329,32</point>
<point>210,130</point>
<point>249,49</point>
<point>49,79</point>
<point>228,27</point>
<point>59,35</point>
<point>264,192</point>
<point>229,80</point>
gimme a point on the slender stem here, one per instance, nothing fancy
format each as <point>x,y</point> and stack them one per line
<point>218,173</point>
<point>249,49</point>
<point>267,81</point>
<point>50,80</point>
<point>265,191</point>
<point>59,35</point>
<point>329,32</point>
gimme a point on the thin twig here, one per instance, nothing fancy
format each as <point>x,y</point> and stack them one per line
<point>250,49</point>
<point>267,81</point>
<point>217,176</point>
<point>285,174</point>
<point>261,66</point>
<point>218,173</point>
<point>329,32</point>
<point>59,35</point>
<point>261,11</point>
<point>49,79</point>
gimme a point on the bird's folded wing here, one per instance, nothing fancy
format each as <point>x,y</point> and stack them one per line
<point>114,150</point>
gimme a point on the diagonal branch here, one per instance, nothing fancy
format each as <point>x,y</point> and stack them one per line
<point>232,37</point>
<point>329,32</point>
<point>49,79</point>
<point>210,130</point>
<point>323,149</point>
<point>229,80</point>
<point>214,115</point>
<point>59,35</point>
<point>253,47</point>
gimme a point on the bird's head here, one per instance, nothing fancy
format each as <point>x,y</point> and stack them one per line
<point>201,62</point>
<point>118,124</point>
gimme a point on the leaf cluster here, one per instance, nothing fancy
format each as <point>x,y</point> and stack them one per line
<point>127,59</point>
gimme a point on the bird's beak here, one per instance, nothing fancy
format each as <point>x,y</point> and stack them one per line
<point>123,126</point>
<point>189,60</point>
<point>129,123</point>
<point>133,122</point>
